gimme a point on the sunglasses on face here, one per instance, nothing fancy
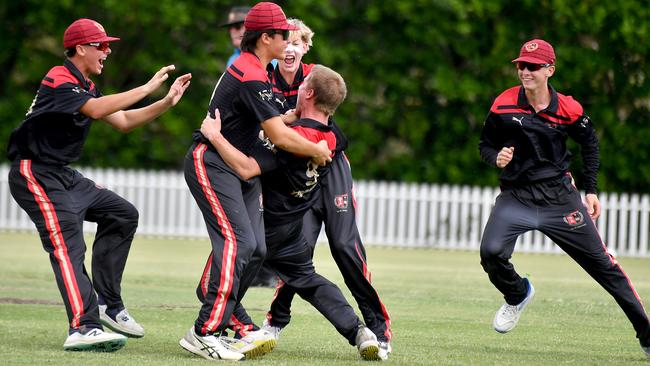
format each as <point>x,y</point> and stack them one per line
<point>531,67</point>
<point>101,46</point>
<point>284,33</point>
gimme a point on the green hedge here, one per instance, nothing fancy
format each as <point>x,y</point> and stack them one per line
<point>421,75</point>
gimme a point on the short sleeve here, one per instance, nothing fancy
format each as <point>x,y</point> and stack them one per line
<point>265,158</point>
<point>68,97</point>
<point>259,100</point>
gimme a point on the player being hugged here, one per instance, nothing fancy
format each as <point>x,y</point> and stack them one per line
<point>58,198</point>
<point>290,183</point>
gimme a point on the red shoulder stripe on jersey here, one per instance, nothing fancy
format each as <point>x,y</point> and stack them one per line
<point>232,70</point>
<point>510,109</point>
<point>507,98</point>
<point>250,67</point>
<point>556,119</point>
<point>59,75</point>
<point>568,107</point>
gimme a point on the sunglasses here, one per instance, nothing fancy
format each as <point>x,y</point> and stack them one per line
<point>531,67</point>
<point>101,46</point>
<point>284,33</point>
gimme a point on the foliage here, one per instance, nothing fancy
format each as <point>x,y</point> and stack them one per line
<point>422,75</point>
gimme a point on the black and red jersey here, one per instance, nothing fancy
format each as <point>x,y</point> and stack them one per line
<point>244,97</point>
<point>287,97</point>
<point>289,91</point>
<point>539,138</point>
<point>54,131</point>
<point>289,188</point>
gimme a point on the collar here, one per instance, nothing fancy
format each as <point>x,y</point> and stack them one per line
<point>523,101</point>
<point>77,74</point>
<point>253,59</point>
<point>312,123</point>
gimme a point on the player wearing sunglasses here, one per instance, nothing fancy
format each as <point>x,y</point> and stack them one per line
<point>58,198</point>
<point>525,136</point>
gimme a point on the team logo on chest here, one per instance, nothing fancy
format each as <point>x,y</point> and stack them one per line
<point>574,219</point>
<point>341,201</point>
<point>266,95</point>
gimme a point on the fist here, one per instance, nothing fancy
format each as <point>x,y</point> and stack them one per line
<point>505,156</point>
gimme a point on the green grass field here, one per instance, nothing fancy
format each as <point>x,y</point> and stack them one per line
<point>441,304</point>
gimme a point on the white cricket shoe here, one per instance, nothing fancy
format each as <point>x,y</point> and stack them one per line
<point>646,350</point>
<point>256,343</point>
<point>123,323</point>
<point>384,350</point>
<point>209,347</point>
<point>275,331</point>
<point>94,340</point>
<point>508,315</point>
<point>367,344</point>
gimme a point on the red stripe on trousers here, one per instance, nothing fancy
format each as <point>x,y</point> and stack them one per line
<point>230,244</point>
<point>388,333</point>
<point>56,237</point>
<point>205,278</point>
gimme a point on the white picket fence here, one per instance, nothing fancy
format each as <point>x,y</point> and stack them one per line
<point>389,213</point>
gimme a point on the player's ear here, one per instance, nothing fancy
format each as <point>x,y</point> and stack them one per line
<point>550,71</point>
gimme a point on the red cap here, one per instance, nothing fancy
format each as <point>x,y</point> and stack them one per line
<point>536,51</point>
<point>267,16</point>
<point>83,31</point>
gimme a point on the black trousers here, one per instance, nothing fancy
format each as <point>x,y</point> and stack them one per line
<point>58,200</point>
<point>555,208</point>
<point>289,254</point>
<point>232,210</point>
<point>336,208</point>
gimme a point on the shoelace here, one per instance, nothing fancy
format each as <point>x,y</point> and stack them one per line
<point>510,311</point>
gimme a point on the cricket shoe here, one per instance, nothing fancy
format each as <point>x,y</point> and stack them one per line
<point>123,323</point>
<point>94,340</point>
<point>256,343</point>
<point>367,344</point>
<point>384,350</point>
<point>209,347</point>
<point>646,350</point>
<point>508,315</point>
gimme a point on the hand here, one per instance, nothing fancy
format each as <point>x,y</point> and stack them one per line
<point>505,156</point>
<point>324,155</point>
<point>593,205</point>
<point>158,78</point>
<point>177,89</point>
<point>289,117</point>
<point>211,127</point>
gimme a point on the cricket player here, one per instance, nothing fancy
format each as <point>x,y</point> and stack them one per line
<point>290,183</point>
<point>232,206</point>
<point>58,198</point>
<point>525,136</point>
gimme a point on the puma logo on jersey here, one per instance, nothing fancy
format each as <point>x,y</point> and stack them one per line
<point>518,120</point>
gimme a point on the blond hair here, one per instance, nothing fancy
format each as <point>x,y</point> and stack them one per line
<point>304,33</point>
<point>329,88</point>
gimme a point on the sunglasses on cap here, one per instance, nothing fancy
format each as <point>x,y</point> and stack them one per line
<point>101,46</point>
<point>521,65</point>
<point>284,33</point>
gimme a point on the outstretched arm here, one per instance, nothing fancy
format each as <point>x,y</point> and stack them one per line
<point>245,166</point>
<point>111,107</point>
